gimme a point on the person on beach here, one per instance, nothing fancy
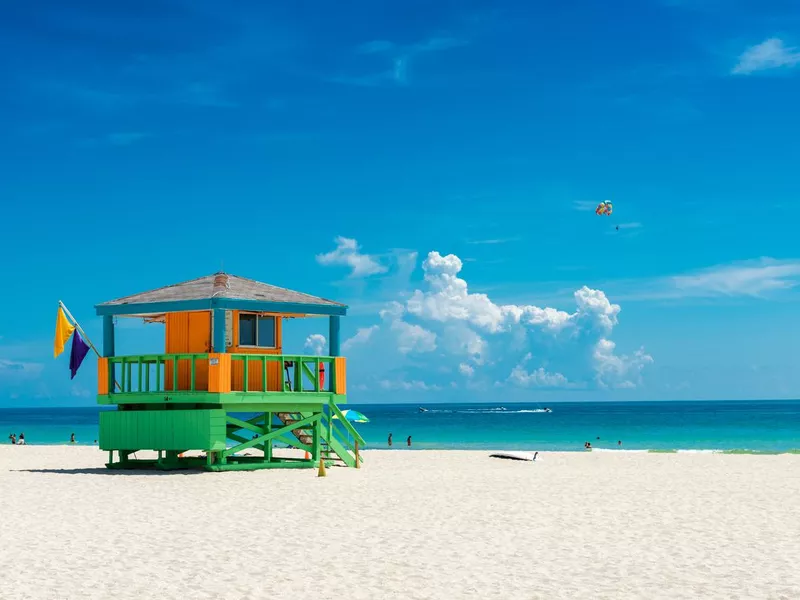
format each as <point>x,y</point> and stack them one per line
<point>13,438</point>
<point>72,438</point>
<point>619,443</point>
<point>390,440</point>
<point>408,441</point>
<point>21,440</point>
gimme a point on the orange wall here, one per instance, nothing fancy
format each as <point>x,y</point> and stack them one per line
<point>190,332</point>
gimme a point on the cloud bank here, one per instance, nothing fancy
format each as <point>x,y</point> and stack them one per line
<point>442,330</point>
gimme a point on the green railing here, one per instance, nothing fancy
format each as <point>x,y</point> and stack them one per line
<point>298,373</point>
<point>352,442</point>
<point>148,373</point>
<point>158,373</point>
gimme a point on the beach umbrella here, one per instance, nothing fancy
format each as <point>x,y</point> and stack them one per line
<point>354,416</point>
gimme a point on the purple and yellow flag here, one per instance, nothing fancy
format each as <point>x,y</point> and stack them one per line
<point>64,329</point>
<point>79,351</point>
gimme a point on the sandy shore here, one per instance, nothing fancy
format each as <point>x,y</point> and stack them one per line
<point>409,525</point>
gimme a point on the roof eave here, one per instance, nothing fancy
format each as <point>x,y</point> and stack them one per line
<point>145,308</point>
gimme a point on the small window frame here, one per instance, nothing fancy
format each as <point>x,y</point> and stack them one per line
<point>258,316</point>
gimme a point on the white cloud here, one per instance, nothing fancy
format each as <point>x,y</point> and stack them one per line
<point>409,338</point>
<point>315,343</point>
<point>537,378</point>
<point>408,386</point>
<point>585,205</point>
<point>615,371</point>
<point>13,368</point>
<point>466,370</point>
<point>761,278</point>
<point>362,336</point>
<point>483,340</point>
<point>769,54</point>
<point>750,278</point>
<point>347,253</point>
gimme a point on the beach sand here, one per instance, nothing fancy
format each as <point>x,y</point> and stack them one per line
<point>410,524</point>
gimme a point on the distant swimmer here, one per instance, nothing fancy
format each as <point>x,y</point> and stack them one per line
<point>72,438</point>
<point>408,441</point>
<point>390,440</point>
<point>619,443</point>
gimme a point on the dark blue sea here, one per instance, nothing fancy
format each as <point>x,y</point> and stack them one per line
<point>762,426</point>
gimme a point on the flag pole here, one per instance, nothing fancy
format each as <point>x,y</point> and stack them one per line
<point>79,328</point>
<point>83,335</point>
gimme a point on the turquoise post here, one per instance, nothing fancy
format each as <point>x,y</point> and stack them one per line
<point>108,335</point>
<point>219,330</point>
<point>333,336</point>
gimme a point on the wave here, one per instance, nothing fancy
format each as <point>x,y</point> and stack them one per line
<point>620,450</point>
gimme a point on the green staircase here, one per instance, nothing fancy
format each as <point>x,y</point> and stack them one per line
<point>339,441</point>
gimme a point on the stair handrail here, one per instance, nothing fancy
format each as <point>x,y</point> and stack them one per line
<point>346,424</point>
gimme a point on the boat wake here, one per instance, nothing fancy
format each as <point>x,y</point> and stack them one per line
<point>490,411</point>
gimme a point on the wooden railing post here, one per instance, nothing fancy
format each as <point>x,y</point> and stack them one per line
<point>358,460</point>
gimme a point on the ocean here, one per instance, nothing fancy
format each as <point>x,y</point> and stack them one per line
<point>735,426</point>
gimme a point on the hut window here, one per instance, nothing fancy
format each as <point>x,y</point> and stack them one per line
<point>256,331</point>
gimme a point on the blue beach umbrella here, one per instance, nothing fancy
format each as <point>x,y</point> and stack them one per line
<point>353,415</point>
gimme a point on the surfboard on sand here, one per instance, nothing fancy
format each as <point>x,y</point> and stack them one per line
<point>515,455</point>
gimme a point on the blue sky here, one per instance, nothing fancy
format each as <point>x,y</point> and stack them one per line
<point>332,150</point>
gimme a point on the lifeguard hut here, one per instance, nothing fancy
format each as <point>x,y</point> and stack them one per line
<point>224,385</point>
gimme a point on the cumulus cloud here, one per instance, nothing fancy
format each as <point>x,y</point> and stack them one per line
<point>538,378</point>
<point>348,254</point>
<point>487,341</point>
<point>362,336</point>
<point>769,54</point>
<point>618,371</point>
<point>409,337</point>
<point>466,370</point>
<point>315,343</point>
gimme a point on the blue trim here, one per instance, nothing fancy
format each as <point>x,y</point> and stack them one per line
<point>221,303</point>
<point>333,337</point>
<point>108,336</point>
<point>219,330</point>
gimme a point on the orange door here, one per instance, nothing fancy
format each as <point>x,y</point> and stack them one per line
<point>188,333</point>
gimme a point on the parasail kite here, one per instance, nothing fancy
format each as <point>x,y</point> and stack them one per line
<point>604,208</point>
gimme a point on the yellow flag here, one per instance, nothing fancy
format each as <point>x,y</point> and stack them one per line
<point>63,330</point>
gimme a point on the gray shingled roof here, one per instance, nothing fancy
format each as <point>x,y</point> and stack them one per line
<point>239,288</point>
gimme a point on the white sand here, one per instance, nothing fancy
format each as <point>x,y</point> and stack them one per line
<point>409,525</point>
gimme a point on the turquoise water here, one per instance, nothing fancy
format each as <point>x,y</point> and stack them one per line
<point>764,426</point>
